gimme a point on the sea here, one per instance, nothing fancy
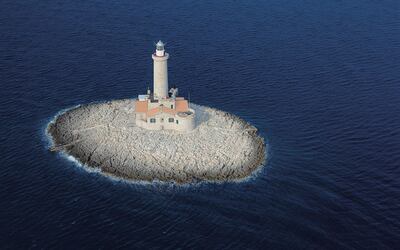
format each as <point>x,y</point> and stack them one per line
<point>319,79</point>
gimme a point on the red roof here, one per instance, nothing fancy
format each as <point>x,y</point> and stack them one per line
<point>141,106</point>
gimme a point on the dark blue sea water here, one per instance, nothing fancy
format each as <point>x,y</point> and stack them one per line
<point>319,79</point>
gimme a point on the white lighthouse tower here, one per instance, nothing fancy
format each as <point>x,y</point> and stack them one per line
<point>163,109</point>
<point>160,84</point>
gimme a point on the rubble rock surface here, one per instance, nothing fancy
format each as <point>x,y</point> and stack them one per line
<point>104,136</point>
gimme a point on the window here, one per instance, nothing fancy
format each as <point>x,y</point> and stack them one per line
<point>152,120</point>
<point>172,106</point>
<point>170,119</point>
<point>177,122</point>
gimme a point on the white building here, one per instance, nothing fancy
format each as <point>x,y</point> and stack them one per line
<point>162,109</point>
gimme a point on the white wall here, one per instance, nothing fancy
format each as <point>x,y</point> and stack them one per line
<point>160,76</point>
<point>185,123</point>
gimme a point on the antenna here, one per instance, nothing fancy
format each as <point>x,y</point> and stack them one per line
<point>148,89</point>
<point>189,99</point>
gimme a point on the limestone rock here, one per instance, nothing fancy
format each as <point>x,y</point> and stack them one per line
<point>104,135</point>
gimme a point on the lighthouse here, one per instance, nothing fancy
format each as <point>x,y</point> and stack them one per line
<point>160,74</point>
<point>163,109</point>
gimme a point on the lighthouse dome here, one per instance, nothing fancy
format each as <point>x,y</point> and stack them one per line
<point>160,45</point>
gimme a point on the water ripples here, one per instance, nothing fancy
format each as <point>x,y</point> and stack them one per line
<point>319,81</point>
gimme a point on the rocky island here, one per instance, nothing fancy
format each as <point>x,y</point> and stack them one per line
<point>159,136</point>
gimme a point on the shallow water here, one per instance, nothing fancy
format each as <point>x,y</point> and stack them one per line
<point>318,79</point>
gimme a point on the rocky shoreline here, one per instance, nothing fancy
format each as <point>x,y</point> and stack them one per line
<point>104,136</point>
